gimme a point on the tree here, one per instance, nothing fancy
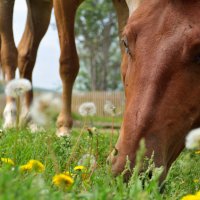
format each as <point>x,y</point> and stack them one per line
<point>98,46</point>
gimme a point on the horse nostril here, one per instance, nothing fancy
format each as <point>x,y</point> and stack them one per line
<point>115,152</point>
<point>111,157</point>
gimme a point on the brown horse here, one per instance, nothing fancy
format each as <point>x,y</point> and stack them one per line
<point>161,75</point>
<point>39,12</point>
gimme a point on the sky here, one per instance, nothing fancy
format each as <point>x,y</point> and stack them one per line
<point>46,70</point>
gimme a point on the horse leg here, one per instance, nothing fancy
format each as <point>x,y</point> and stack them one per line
<point>38,18</point>
<point>8,56</point>
<point>69,64</point>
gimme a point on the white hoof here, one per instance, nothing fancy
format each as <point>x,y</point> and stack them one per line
<point>9,114</point>
<point>63,131</point>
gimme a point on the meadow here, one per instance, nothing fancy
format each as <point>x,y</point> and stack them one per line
<point>94,181</point>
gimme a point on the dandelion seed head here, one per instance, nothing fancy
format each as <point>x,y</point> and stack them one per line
<point>193,139</point>
<point>109,108</point>
<point>42,106</point>
<point>87,109</point>
<point>88,160</point>
<point>17,87</point>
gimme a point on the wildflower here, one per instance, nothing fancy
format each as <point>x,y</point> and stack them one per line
<point>33,165</point>
<point>87,109</point>
<point>88,160</point>
<point>197,152</point>
<point>68,173</point>
<point>193,139</point>
<point>94,129</point>
<point>43,106</point>
<point>109,108</point>
<point>7,161</point>
<point>37,114</point>
<point>80,168</point>
<point>192,197</point>
<point>25,168</point>
<point>196,180</point>
<point>63,180</point>
<point>17,87</point>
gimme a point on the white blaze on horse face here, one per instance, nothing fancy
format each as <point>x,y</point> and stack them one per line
<point>133,5</point>
<point>9,115</point>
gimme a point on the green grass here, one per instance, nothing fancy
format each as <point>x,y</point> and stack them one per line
<point>53,152</point>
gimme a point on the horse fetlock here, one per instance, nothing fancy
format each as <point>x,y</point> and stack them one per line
<point>9,114</point>
<point>64,121</point>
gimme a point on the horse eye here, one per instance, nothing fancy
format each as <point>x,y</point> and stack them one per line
<point>125,43</point>
<point>197,59</point>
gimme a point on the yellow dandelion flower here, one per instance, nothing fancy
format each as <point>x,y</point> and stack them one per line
<point>25,168</point>
<point>68,173</point>
<point>7,161</point>
<point>197,152</point>
<point>80,168</point>
<point>192,197</point>
<point>36,165</point>
<point>198,194</point>
<point>33,165</point>
<point>196,180</point>
<point>62,180</point>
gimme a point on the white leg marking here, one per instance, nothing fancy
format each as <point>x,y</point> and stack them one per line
<point>9,114</point>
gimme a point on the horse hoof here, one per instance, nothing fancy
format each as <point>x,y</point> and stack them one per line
<point>63,132</point>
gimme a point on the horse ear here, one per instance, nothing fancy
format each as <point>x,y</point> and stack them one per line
<point>133,5</point>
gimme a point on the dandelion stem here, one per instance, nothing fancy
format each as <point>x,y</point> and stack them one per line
<point>18,111</point>
<point>97,147</point>
<point>111,136</point>
<point>53,156</point>
<point>76,145</point>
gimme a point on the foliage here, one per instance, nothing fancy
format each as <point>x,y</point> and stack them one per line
<point>53,152</point>
<point>98,46</point>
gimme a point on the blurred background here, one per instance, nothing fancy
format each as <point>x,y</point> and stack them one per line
<point>98,48</point>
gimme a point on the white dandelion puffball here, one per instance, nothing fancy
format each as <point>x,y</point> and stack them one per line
<point>43,106</point>
<point>88,160</point>
<point>87,109</point>
<point>109,108</point>
<point>193,139</point>
<point>17,87</point>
